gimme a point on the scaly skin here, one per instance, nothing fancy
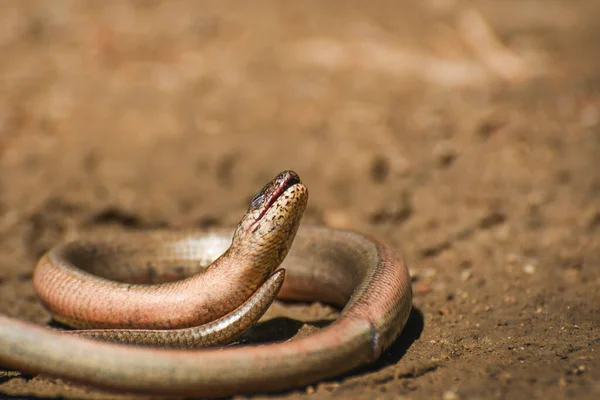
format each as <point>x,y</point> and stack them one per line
<point>340,267</point>
<point>220,331</point>
<point>70,279</point>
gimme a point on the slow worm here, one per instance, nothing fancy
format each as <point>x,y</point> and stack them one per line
<point>344,268</point>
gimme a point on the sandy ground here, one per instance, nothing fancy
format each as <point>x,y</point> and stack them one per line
<point>467,134</point>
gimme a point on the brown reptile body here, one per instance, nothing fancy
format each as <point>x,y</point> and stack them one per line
<point>344,268</point>
<point>91,284</point>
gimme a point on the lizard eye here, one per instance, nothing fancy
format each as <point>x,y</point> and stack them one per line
<point>257,201</point>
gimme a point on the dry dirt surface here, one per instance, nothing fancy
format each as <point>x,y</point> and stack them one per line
<point>466,134</point>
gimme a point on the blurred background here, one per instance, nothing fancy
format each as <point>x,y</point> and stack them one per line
<point>465,134</point>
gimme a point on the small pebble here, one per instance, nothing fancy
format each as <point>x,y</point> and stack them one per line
<point>450,395</point>
<point>466,275</point>
<point>428,272</point>
<point>422,288</point>
<point>529,269</point>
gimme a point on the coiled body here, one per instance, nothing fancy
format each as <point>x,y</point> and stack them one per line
<point>366,278</point>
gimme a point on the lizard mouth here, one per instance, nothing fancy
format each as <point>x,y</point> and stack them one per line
<point>288,179</point>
